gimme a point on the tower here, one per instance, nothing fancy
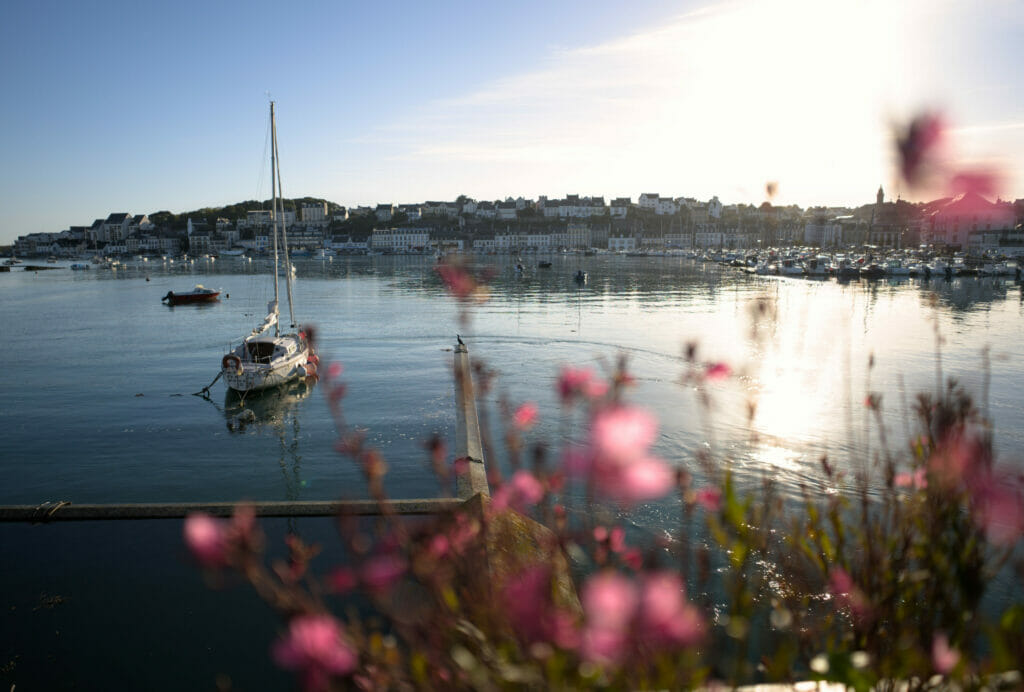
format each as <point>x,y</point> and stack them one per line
<point>881,195</point>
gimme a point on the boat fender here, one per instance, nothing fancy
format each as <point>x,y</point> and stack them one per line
<point>310,369</point>
<point>314,359</point>
<point>225,363</point>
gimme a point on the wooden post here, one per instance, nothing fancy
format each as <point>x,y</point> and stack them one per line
<point>467,430</point>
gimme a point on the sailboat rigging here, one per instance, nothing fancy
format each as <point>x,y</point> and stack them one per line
<point>267,357</point>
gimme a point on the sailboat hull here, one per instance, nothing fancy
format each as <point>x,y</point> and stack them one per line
<point>253,367</point>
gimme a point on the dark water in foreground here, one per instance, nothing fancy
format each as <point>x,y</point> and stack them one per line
<point>97,408</point>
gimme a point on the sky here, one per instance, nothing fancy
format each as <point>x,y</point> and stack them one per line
<point>136,106</point>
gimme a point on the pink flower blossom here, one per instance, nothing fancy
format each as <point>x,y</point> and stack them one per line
<point>717,371</point>
<point>917,480</point>
<point>848,594</point>
<point>383,571</point>
<point>207,539</point>
<point>460,282</point>
<point>574,382</point>
<point>999,508</point>
<point>532,612</point>
<point>975,183</point>
<point>525,416</point>
<point>617,539</point>
<point>944,657</point>
<point>316,645</point>
<point>622,433</point>
<point>342,580</point>
<point>709,498</point>
<point>666,619</point>
<point>918,146</point>
<point>616,457</point>
<point>609,604</point>
<point>334,370</point>
<point>521,491</point>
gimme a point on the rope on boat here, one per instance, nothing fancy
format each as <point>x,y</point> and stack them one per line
<point>205,391</point>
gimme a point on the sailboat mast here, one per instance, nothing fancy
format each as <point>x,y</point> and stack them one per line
<point>273,199</point>
<point>284,237</point>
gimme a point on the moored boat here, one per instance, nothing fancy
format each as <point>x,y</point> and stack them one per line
<point>199,294</point>
<point>269,357</point>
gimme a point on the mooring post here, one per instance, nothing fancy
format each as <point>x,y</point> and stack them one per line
<point>467,431</point>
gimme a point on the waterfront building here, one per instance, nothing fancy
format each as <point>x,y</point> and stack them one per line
<point>314,213</point>
<point>579,236</point>
<point>620,207</point>
<point>115,228</point>
<point>953,222</point>
<point>400,239</point>
<point>384,212</point>
<point>624,243</point>
<point>259,218</point>
<point>506,211</point>
<point>649,201</point>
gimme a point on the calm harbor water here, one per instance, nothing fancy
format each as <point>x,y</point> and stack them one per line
<point>97,403</point>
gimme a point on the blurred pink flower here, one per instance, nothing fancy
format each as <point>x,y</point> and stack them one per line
<point>918,146</point>
<point>207,539</point>
<point>383,571</point>
<point>609,604</point>
<point>999,508</point>
<point>460,282</point>
<point>980,182</point>
<point>334,370</point>
<point>848,594</point>
<point>944,658</point>
<point>622,433</point>
<point>709,498</point>
<point>525,416</point>
<point>342,580</point>
<point>532,612</point>
<point>917,480</point>
<point>574,382</point>
<point>666,619</point>
<point>521,491</point>
<point>616,457</point>
<point>717,371</point>
<point>617,539</point>
<point>316,645</point>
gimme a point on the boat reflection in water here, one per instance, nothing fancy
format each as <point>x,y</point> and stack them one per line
<point>266,408</point>
<point>273,410</point>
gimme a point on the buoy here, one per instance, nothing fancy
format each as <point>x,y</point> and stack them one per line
<point>310,369</point>
<point>314,359</point>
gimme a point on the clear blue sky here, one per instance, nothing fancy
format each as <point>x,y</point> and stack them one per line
<point>140,106</point>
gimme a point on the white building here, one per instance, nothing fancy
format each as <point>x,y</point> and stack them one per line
<point>622,243</point>
<point>314,213</point>
<point>715,208</point>
<point>823,233</point>
<point>666,207</point>
<point>649,201</point>
<point>953,224</point>
<point>620,207</point>
<point>400,239</point>
<point>506,211</point>
<point>707,237</point>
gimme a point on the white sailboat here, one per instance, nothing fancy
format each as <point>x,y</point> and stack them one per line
<point>268,357</point>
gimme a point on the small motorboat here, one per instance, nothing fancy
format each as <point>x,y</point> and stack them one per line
<point>580,277</point>
<point>199,294</point>
<point>544,265</point>
<point>872,271</point>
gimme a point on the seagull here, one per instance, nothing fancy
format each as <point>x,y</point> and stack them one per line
<point>459,338</point>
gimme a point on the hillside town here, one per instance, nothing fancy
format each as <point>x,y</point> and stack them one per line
<point>966,223</point>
